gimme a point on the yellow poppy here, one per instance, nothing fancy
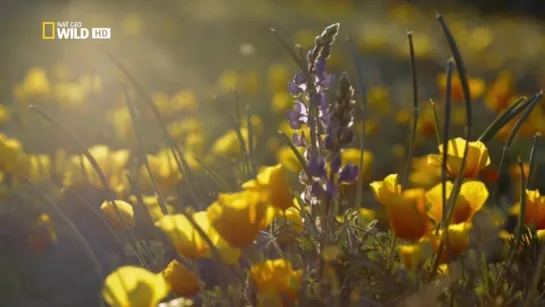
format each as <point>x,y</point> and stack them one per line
<point>277,277</point>
<point>384,191</point>
<point>412,256</point>
<point>458,239</point>
<point>164,168</point>
<point>184,100</point>
<point>134,286</point>
<point>238,217</point>
<point>112,214</point>
<point>535,209</point>
<point>477,157</point>
<point>288,159</point>
<point>228,145</point>
<point>472,197</point>
<point>181,280</point>
<point>272,181</point>
<point>477,87</point>
<point>111,162</point>
<point>500,93</point>
<point>189,243</point>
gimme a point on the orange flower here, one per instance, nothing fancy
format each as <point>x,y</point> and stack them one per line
<point>239,217</point>
<point>535,209</point>
<point>476,87</point>
<point>277,277</point>
<point>500,92</point>
<point>405,210</point>
<point>273,183</point>
<point>458,239</point>
<point>181,280</point>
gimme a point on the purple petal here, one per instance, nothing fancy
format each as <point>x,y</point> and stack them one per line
<point>347,136</point>
<point>300,107</point>
<point>299,78</point>
<point>316,189</point>
<point>327,81</point>
<point>336,163</point>
<point>349,173</point>
<point>330,187</point>
<point>293,88</point>
<point>316,166</point>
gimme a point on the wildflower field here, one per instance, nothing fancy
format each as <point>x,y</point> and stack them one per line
<point>272,153</point>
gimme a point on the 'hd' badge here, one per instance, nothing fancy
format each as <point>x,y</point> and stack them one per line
<point>100,33</point>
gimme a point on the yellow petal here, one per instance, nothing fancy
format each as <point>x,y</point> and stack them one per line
<point>134,286</point>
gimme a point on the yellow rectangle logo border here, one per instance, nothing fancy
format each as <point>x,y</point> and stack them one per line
<point>44,26</point>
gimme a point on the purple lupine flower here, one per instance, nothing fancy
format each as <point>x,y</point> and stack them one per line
<point>298,116</point>
<point>349,173</point>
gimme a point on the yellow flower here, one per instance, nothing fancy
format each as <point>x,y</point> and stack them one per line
<point>458,239</point>
<point>501,92</point>
<point>405,210</point>
<point>111,162</point>
<point>412,256</point>
<point>386,190</point>
<point>288,159</point>
<point>278,77</point>
<point>406,214</point>
<point>120,118</point>
<point>181,280</point>
<point>4,114</point>
<point>194,142</point>
<point>277,277</point>
<point>292,215</point>
<point>134,286</point>
<point>535,209</point>
<point>426,124</point>
<point>352,155</point>
<point>61,72</point>
<point>184,100</point>
<point>69,94</point>
<point>164,168</point>
<point>228,145</point>
<point>477,157</point>
<point>35,85</point>
<point>38,167</point>
<point>371,126</point>
<point>476,87</point>
<point>189,243</point>
<point>153,207</point>
<point>472,197</point>
<point>180,129</point>
<point>11,153</point>
<point>239,217</point>
<point>163,103</point>
<point>272,181</point>
<point>112,214</point>
<point>281,101</point>
<point>424,176</point>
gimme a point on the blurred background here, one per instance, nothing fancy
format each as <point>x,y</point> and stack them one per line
<point>190,54</point>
